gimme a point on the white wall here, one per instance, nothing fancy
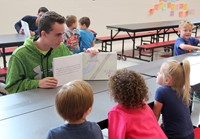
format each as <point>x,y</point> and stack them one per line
<point>101,12</point>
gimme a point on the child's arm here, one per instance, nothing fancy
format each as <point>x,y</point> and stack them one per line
<point>157,109</point>
<point>189,47</point>
<point>116,126</point>
<point>93,43</point>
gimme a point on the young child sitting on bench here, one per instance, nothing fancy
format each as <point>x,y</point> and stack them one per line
<point>131,118</point>
<point>172,99</point>
<point>73,103</point>
<point>185,43</point>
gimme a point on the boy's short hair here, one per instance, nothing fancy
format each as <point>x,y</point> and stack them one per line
<point>42,9</point>
<point>185,23</point>
<point>73,100</point>
<point>128,88</point>
<point>85,20</point>
<point>70,19</point>
<point>48,19</point>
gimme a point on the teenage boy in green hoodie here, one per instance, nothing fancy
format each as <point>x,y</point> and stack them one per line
<point>31,64</point>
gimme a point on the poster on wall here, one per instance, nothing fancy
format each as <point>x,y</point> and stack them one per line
<point>175,8</point>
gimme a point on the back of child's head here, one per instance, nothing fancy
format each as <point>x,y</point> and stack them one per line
<point>42,9</point>
<point>128,88</point>
<point>185,24</point>
<point>179,74</point>
<point>85,20</point>
<point>73,100</point>
<point>70,20</point>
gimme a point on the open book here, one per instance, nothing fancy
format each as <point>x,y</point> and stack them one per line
<point>84,67</point>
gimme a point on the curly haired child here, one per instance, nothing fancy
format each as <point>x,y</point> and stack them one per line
<point>172,99</point>
<point>131,118</point>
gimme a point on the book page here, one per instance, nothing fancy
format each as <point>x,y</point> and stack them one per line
<point>25,26</point>
<point>67,68</point>
<point>100,66</point>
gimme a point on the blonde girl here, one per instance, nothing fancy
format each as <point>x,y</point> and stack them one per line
<point>172,99</point>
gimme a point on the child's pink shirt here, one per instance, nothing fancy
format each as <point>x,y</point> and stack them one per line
<point>133,124</point>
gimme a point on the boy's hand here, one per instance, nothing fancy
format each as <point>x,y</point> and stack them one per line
<point>48,82</point>
<point>91,51</point>
<point>32,33</point>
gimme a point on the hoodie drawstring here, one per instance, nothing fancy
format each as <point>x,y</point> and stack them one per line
<point>47,67</point>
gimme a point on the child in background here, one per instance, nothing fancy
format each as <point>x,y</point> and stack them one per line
<point>33,22</point>
<point>87,39</point>
<point>185,43</point>
<point>73,103</point>
<point>72,34</point>
<point>131,118</point>
<point>172,100</point>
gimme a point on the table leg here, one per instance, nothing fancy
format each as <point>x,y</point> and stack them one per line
<point>111,35</point>
<point>4,57</point>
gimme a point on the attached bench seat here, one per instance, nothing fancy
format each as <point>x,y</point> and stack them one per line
<point>125,36</point>
<point>3,72</point>
<point>175,30</point>
<point>4,53</point>
<point>106,40</point>
<point>152,46</point>
<point>9,50</point>
<point>137,35</point>
<point>167,32</point>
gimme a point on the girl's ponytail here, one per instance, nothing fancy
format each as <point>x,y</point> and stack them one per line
<point>186,89</point>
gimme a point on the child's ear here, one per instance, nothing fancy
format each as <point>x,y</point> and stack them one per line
<point>168,80</point>
<point>88,111</point>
